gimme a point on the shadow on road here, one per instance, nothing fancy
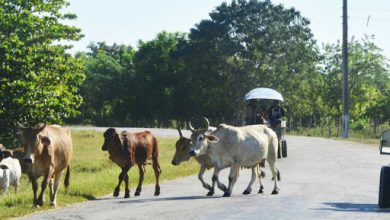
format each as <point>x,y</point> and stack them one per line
<point>169,199</point>
<point>353,207</point>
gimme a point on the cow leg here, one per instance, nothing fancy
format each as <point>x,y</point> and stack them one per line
<point>5,190</point>
<point>51,190</point>
<point>34,184</point>
<point>157,172</point>
<point>57,179</point>
<point>44,184</point>
<point>120,179</point>
<point>215,179</point>
<point>261,174</point>
<point>253,178</point>
<point>17,186</point>
<point>204,184</point>
<point>141,169</point>
<point>275,175</point>
<point>127,188</point>
<point>232,179</point>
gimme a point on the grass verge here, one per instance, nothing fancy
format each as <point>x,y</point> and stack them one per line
<point>92,175</point>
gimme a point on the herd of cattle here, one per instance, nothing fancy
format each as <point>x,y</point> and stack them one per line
<point>48,150</point>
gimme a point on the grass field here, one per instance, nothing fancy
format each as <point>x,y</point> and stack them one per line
<point>92,175</point>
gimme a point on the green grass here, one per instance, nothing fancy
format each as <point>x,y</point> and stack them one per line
<point>92,175</point>
<point>366,136</point>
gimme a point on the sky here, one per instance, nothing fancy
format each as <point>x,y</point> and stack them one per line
<point>128,21</point>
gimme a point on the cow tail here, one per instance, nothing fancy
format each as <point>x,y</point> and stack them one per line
<point>155,154</point>
<point>67,176</point>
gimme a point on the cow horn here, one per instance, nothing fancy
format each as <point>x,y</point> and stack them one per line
<point>42,127</point>
<point>190,126</point>
<point>207,123</point>
<point>179,130</point>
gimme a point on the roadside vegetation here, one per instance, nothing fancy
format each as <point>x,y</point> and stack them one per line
<point>93,175</point>
<point>177,77</point>
<point>369,135</point>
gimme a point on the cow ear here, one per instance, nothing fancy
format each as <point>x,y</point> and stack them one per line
<point>45,140</point>
<point>3,166</point>
<point>212,138</point>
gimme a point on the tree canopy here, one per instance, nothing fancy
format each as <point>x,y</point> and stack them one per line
<point>244,44</point>
<point>39,79</point>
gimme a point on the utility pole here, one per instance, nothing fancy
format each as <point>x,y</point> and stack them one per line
<point>345,90</point>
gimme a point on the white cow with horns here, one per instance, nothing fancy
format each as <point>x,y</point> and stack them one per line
<point>237,147</point>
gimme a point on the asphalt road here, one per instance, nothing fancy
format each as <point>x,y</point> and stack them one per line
<point>321,179</point>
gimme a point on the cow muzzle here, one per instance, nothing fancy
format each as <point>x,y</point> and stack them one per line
<point>28,160</point>
<point>193,153</point>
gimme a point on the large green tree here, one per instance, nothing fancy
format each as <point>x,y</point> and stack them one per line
<point>248,44</point>
<point>368,80</point>
<point>157,82</point>
<point>39,79</point>
<point>108,89</point>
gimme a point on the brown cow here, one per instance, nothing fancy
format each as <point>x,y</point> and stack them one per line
<point>129,149</point>
<point>48,151</point>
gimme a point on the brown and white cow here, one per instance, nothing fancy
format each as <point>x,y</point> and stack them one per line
<point>48,151</point>
<point>129,149</point>
<point>182,154</point>
<point>237,147</point>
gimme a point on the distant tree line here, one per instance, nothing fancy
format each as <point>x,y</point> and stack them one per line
<point>177,77</point>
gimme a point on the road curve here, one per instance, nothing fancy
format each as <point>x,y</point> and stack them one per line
<point>321,179</point>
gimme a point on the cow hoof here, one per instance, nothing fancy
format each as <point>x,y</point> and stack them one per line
<point>227,194</point>
<point>54,204</point>
<point>210,193</point>
<point>137,193</point>
<point>275,192</point>
<point>127,195</point>
<point>261,190</point>
<point>39,203</point>
<point>157,191</point>
<point>116,193</point>
<point>246,192</point>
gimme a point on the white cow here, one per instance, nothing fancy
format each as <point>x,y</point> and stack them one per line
<point>237,147</point>
<point>10,172</point>
<point>182,154</point>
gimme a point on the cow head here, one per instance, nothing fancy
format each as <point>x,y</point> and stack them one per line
<point>200,139</point>
<point>31,140</point>
<point>111,138</point>
<point>182,148</point>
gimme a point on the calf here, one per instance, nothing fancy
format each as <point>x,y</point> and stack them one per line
<point>237,147</point>
<point>10,172</point>
<point>48,151</point>
<point>17,153</point>
<point>129,149</point>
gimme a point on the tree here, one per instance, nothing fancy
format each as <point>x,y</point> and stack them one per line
<point>369,80</point>
<point>108,89</point>
<point>39,79</point>
<point>248,44</point>
<point>157,80</point>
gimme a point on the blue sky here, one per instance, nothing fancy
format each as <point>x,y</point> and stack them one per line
<point>127,21</point>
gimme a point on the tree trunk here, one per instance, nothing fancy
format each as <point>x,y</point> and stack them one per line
<point>330,126</point>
